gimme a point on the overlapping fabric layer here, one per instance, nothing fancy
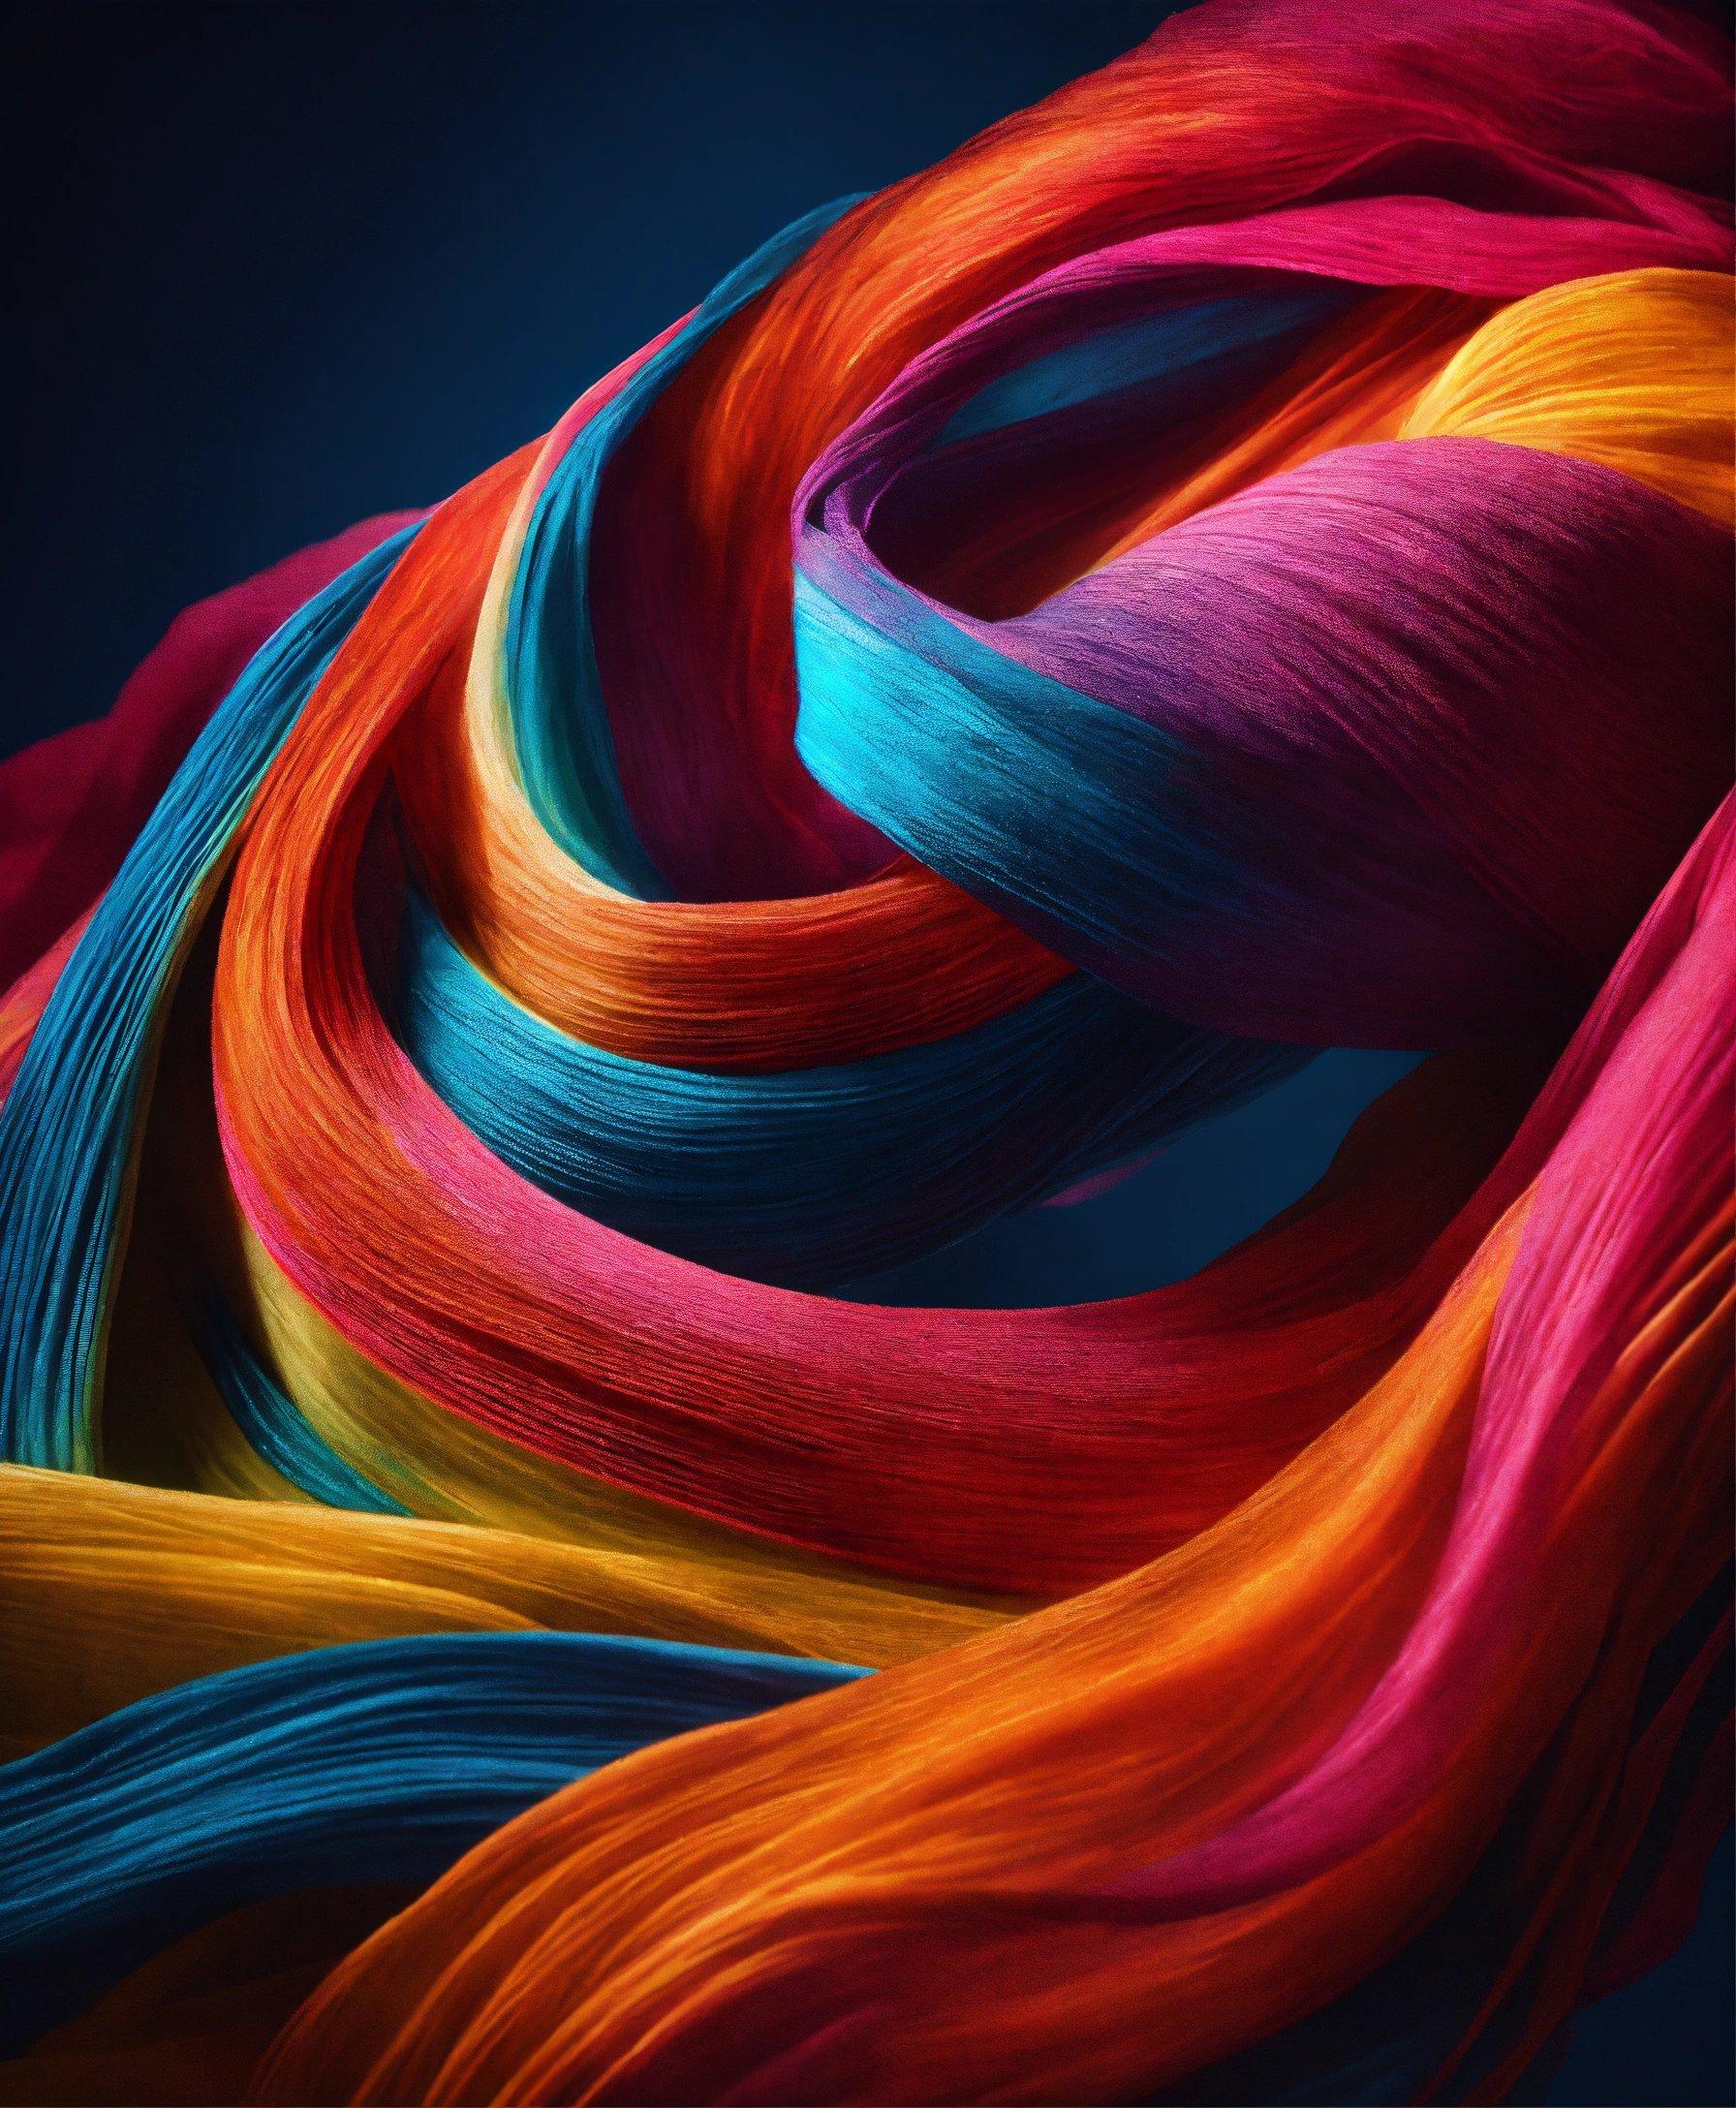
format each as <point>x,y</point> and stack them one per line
<point>1234,562</point>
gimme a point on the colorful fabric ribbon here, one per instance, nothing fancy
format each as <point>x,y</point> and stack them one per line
<point>1234,562</point>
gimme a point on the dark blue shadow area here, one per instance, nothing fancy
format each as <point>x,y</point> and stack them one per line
<point>1208,1190</point>
<point>290,265</point>
<point>1672,2036</point>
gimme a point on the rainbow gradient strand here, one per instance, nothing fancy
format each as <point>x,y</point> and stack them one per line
<point>1234,562</point>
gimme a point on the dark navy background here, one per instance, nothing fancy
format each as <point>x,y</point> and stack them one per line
<point>283,265</point>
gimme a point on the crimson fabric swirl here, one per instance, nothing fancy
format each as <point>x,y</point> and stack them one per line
<point>1234,562</point>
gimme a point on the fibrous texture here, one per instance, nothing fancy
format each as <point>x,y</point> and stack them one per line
<point>1236,561</point>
